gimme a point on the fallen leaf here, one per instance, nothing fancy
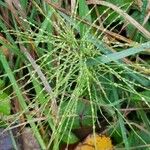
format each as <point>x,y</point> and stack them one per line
<point>95,142</point>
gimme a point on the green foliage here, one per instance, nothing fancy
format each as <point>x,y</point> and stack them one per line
<point>132,31</point>
<point>140,142</point>
<point>144,96</point>
<point>84,14</point>
<point>80,117</point>
<point>111,16</point>
<point>2,84</point>
<point>5,104</point>
<point>69,71</point>
<point>69,137</point>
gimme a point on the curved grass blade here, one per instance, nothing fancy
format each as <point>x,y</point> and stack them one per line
<point>118,55</point>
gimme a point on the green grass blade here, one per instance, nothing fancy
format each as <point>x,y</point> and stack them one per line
<point>21,98</point>
<point>119,55</point>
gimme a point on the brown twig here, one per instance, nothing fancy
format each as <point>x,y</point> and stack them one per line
<point>47,87</point>
<point>123,14</point>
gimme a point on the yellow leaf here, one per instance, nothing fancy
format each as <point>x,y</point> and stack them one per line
<point>97,142</point>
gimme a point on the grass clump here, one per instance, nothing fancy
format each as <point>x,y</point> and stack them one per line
<point>68,77</point>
